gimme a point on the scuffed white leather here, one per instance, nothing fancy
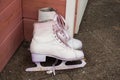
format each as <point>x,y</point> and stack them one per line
<point>75,43</point>
<point>44,42</point>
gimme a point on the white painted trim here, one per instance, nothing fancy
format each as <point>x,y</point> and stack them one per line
<point>70,15</point>
<point>80,11</point>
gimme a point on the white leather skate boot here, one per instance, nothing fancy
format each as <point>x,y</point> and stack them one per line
<point>50,13</point>
<point>47,42</point>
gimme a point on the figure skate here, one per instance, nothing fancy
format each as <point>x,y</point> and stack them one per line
<point>49,13</point>
<point>47,41</point>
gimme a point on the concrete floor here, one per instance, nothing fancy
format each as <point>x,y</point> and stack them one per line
<point>100,34</point>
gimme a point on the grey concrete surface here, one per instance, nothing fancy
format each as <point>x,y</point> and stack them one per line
<point>100,34</point>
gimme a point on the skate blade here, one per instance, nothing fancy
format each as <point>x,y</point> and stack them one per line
<point>38,69</point>
<point>62,66</point>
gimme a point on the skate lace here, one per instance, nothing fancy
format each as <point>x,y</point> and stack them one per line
<point>61,21</point>
<point>58,34</point>
<point>60,28</point>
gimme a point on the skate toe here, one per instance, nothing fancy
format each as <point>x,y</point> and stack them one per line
<point>79,55</point>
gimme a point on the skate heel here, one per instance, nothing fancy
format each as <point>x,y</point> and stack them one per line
<point>38,58</point>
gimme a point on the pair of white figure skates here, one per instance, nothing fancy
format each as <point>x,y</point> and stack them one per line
<point>50,38</point>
